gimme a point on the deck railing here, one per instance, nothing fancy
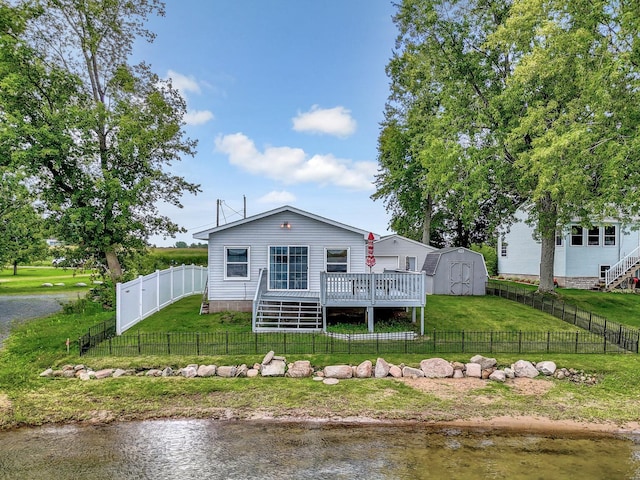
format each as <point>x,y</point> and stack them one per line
<point>622,267</point>
<point>388,288</point>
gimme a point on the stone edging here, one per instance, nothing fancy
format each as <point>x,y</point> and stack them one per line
<point>276,366</point>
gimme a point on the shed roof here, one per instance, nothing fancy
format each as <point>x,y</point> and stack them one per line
<point>433,258</point>
<point>204,235</point>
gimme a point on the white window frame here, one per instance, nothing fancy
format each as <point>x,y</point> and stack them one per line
<point>575,235</point>
<point>503,248</point>
<point>603,271</point>
<point>592,239</point>
<point>406,263</point>
<point>308,276</point>
<point>613,236</point>
<point>248,262</point>
<point>326,263</point>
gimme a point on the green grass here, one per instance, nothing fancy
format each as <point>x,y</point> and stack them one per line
<point>29,280</point>
<point>619,307</point>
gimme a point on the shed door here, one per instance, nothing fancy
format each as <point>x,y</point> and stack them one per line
<point>460,277</point>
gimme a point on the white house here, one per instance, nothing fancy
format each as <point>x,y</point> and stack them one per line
<point>605,254</point>
<point>288,266</point>
<point>395,252</point>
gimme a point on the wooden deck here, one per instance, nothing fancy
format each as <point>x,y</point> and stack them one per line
<point>291,309</point>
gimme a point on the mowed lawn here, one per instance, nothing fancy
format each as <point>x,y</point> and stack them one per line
<point>29,280</point>
<point>443,313</point>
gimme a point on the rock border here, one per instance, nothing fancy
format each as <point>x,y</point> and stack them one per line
<point>273,365</point>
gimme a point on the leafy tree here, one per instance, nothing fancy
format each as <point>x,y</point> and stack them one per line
<point>181,244</point>
<point>440,167</point>
<point>528,103</point>
<point>21,226</point>
<point>97,133</point>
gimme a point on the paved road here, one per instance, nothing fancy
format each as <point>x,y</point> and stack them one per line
<point>17,308</point>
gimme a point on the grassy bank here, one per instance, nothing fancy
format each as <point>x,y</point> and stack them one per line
<point>30,280</point>
<point>26,399</point>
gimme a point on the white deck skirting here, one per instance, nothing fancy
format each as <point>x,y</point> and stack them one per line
<point>373,336</point>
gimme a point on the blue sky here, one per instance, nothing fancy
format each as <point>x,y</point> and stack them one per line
<point>285,98</point>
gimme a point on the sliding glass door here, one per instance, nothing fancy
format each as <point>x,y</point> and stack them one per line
<point>288,268</point>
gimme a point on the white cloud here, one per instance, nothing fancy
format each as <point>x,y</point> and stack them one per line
<point>198,117</point>
<point>185,84</point>
<point>280,198</point>
<point>293,165</point>
<point>335,121</point>
<point>182,83</point>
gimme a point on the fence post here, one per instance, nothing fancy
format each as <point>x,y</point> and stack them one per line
<point>226,343</point>
<point>548,340</point>
<point>110,349</point>
<point>139,345</point>
<point>284,343</point>
<point>118,307</point>
<point>590,315</point>
<point>168,344</point>
<point>434,339</point>
<point>577,333</point>
<point>255,341</point>
<point>462,341</point>
<point>198,344</point>
<point>520,341</point>
<point>491,342</point>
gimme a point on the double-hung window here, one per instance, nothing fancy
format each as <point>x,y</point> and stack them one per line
<point>337,260</point>
<point>236,263</point>
<point>610,235</point>
<point>593,236</point>
<point>576,235</point>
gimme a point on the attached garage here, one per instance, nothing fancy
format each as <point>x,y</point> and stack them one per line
<point>455,271</point>
<point>395,252</point>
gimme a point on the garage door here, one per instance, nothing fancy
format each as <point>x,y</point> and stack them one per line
<point>385,263</point>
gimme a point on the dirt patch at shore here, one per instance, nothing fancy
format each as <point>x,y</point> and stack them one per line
<point>450,388</point>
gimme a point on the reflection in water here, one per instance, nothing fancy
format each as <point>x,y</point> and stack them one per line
<point>203,449</point>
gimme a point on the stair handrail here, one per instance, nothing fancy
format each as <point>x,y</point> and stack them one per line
<point>260,289</point>
<point>621,267</point>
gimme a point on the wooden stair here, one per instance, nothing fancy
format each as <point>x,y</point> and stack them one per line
<point>204,305</point>
<point>273,314</point>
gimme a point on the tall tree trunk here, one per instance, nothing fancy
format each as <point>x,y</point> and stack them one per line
<point>426,221</point>
<point>15,267</point>
<point>113,264</point>
<point>547,220</point>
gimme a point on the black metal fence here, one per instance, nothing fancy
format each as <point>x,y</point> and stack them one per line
<point>626,338</point>
<point>230,343</point>
<point>96,335</point>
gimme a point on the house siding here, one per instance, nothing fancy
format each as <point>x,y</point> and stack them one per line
<point>576,266</point>
<point>395,249</point>
<point>262,233</point>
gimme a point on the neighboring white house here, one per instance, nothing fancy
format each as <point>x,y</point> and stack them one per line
<point>604,254</point>
<point>287,266</point>
<point>395,252</point>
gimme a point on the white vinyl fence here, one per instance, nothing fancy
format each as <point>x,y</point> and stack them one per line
<point>139,298</point>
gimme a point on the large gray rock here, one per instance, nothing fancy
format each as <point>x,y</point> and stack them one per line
<point>253,372</point>
<point>206,371</point>
<point>226,371</point>
<point>47,373</point>
<point>241,371</point>
<point>498,376</point>
<point>436,368</point>
<point>364,370</point>
<point>119,373</point>
<point>473,370</point>
<point>485,363</point>
<point>412,372</point>
<point>382,368</point>
<point>395,371</point>
<point>167,372</point>
<point>104,373</point>
<point>268,357</point>
<point>523,368</point>
<point>338,371</point>
<point>275,368</point>
<point>190,371</point>
<point>547,367</point>
<point>300,369</point>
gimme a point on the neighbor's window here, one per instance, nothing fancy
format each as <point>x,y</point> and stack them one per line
<point>559,239</point>
<point>236,263</point>
<point>603,270</point>
<point>593,236</point>
<point>610,235</point>
<point>503,249</point>
<point>337,260</point>
<point>576,235</point>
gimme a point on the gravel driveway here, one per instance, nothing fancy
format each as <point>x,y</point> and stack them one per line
<point>26,307</point>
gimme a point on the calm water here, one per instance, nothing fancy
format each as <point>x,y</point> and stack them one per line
<point>202,449</point>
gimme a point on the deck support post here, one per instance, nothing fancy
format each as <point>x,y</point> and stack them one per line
<point>370,318</point>
<point>324,319</point>
<point>422,320</point>
<point>413,314</point>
